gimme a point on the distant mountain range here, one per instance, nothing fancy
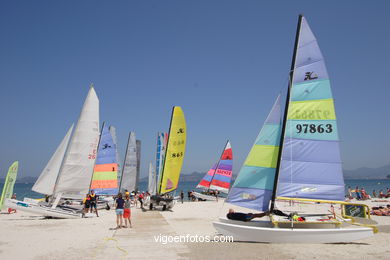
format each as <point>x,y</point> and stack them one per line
<point>368,173</point>
<point>361,173</point>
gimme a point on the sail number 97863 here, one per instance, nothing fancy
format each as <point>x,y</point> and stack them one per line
<point>312,128</point>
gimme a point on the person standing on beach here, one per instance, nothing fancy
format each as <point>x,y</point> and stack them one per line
<point>127,211</point>
<point>182,197</point>
<point>93,202</point>
<point>141,200</point>
<point>119,208</point>
<point>86,202</point>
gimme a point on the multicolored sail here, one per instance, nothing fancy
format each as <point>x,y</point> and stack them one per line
<point>310,164</point>
<point>175,152</point>
<point>9,183</point>
<point>105,173</point>
<point>219,177</point>
<point>162,139</point>
<point>114,138</point>
<point>254,185</point>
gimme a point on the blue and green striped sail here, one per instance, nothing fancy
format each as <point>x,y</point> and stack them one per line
<point>254,184</point>
<point>310,164</point>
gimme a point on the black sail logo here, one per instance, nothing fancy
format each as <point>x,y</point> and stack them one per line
<point>310,75</point>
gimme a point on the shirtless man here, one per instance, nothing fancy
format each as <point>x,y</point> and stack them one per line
<point>245,216</point>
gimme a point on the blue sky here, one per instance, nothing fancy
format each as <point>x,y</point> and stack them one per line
<point>223,61</point>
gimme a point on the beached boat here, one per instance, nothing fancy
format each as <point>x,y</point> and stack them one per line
<point>68,173</point>
<point>173,161</point>
<point>218,177</point>
<point>131,166</point>
<point>9,183</point>
<point>296,157</point>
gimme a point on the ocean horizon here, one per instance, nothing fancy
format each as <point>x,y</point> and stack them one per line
<point>23,190</point>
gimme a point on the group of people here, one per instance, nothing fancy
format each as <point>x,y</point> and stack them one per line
<point>361,194</point>
<point>123,210</point>
<point>123,204</point>
<point>90,203</point>
<point>381,211</point>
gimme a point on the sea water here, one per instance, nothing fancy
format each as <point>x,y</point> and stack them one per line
<point>23,190</point>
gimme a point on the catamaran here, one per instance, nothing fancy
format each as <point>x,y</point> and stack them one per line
<point>296,157</point>
<point>218,177</point>
<point>173,161</point>
<point>68,173</point>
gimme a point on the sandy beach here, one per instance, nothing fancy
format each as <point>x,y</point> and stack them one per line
<point>25,236</point>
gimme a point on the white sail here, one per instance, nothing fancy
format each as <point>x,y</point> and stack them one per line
<point>152,180</point>
<point>76,172</point>
<point>47,179</point>
<point>129,173</point>
<point>138,145</point>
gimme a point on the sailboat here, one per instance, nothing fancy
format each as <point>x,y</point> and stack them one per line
<point>296,157</point>
<point>152,181</point>
<point>72,169</point>
<point>218,177</point>
<point>105,174</point>
<point>9,183</point>
<point>173,161</point>
<point>131,167</point>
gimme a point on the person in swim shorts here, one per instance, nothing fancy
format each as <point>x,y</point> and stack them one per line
<point>245,216</point>
<point>127,211</point>
<point>93,202</point>
<point>119,206</point>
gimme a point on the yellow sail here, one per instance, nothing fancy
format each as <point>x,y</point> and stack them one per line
<point>174,155</point>
<point>9,183</point>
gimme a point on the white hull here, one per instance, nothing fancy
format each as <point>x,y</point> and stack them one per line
<point>262,231</point>
<point>41,209</point>
<point>204,196</point>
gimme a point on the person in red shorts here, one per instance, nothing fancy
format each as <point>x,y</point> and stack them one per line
<point>10,211</point>
<point>127,211</point>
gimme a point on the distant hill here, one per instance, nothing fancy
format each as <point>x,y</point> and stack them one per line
<point>368,173</point>
<point>195,176</point>
<point>28,179</point>
<point>361,173</point>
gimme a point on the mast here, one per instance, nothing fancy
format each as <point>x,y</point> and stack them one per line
<point>216,167</point>
<point>290,82</point>
<point>155,167</point>
<point>124,163</point>
<point>166,150</point>
<point>97,153</point>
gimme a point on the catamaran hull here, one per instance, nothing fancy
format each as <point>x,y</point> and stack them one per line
<point>204,196</point>
<point>41,209</point>
<point>251,233</point>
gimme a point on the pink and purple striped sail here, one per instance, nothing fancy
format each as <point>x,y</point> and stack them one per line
<point>219,177</point>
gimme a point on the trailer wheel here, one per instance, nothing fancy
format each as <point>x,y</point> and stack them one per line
<point>164,207</point>
<point>151,206</point>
